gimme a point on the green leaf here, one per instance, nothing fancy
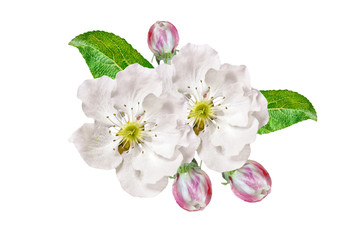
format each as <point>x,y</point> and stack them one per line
<point>106,54</point>
<point>285,109</point>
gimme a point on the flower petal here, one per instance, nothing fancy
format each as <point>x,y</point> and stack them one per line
<point>232,84</point>
<point>134,84</point>
<point>191,65</point>
<point>164,113</point>
<point>259,108</point>
<point>166,72</point>
<point>223,81</point>
<point>215,159</point>
<point>153,167</point>
<point>131,181</point>
<point>165,104</point>
<point>95,146</point>
<point>188,144</point>
<point>96,97</point>
<point>232,139</point>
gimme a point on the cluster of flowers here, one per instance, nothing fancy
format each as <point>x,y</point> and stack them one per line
<point>149,123</point>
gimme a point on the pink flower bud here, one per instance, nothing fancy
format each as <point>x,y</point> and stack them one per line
<point>163,39</point>
<point>192,187</point>
<point>251,182</point>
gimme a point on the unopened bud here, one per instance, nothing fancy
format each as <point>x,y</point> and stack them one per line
<point>192,187</point>
<point>163,38</point>
<point>251,182</point>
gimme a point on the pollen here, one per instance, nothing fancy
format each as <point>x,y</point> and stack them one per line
<point>201,113</point>
<point>131,133</point>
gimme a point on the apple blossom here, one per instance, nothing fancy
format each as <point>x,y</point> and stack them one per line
<point>223,109</point>
<point>138,129</point>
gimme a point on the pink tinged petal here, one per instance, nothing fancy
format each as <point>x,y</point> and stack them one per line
<point>192,190</point>
<point>96,97</point>
<point>251,183</point>
<point>131,181</point>
<point>96,145</point>
<point>191,64</point>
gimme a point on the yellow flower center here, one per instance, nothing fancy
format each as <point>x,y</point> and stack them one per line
<point>201,113</point>
<point>130,133</point>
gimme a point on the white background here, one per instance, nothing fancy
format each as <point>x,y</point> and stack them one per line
<point>48,192</point>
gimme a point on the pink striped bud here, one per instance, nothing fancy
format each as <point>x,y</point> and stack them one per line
<point>192,187</point>
<point>251,182</point>
<point>163,38</point>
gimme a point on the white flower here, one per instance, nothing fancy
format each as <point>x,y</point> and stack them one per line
<point>223,109</point>
<point>138,129</point>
